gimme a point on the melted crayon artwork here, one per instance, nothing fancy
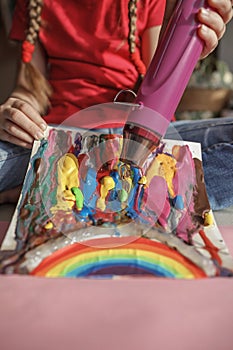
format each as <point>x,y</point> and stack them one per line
<point>85,213</point>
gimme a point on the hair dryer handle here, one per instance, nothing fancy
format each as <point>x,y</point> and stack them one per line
<point>172,65</point>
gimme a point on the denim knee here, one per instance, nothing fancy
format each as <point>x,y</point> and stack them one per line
<point>13,165</point>
<point>218,172</point>
<point>207,132</point>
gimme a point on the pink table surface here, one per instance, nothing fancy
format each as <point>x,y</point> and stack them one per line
<point>57,314</point>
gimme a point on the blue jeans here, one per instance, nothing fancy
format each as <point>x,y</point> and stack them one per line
<point>215,136</point>
<point>13,165</point>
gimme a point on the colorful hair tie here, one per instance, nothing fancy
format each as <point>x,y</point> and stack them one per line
<point>27,51</point>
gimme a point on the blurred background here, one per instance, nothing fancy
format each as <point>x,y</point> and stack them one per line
<point>208,94</point>
<point>9,51</point>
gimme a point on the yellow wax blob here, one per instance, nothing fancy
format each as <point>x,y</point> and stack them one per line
<point>107,184</point>
<point>48,226</point>
<point>165,166</point>
<point>67,178</point>
<point>208,219</point>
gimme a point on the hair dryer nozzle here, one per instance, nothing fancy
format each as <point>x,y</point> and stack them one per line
<point>138,144</point>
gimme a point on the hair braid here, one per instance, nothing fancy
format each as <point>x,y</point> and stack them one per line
<point>134,53</point>
<point>35,8</point>
<point>34,81</point>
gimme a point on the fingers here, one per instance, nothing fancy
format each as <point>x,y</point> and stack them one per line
<point>20,123</point>
<point>26,117</point>
<point>213,23</point>
<point>212,20</point>
<point>4,136</point>
<point>209,38</point>
<point>223,7</point>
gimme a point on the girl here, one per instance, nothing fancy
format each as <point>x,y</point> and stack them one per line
<point>88,50</point>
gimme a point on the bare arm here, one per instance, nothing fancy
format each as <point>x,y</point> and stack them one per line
<point>20,118</point>
<point>150,40</point>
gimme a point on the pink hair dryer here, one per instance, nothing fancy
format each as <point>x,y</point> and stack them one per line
<point>164,83</point>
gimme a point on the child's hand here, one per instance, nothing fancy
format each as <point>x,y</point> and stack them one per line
<point>213,23</point>
<point>20,123</point>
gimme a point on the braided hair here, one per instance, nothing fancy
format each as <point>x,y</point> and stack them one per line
<point>35,82</point>
<point>35,7</point>
<point>134,54</point>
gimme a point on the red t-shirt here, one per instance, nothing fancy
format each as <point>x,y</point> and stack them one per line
<point>87,48</point>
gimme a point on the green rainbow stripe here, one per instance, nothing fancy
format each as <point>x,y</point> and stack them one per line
<point>144,255</point>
